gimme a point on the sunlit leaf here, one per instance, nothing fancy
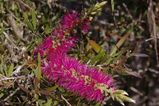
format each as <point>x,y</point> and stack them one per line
<point>112,5</point>
<point>120,43</point>
<point>94,45</point>
<point>49,102</point>
<point>10,70</point>
<point>98,57</point>
<point>27,21</point>
<point>33,13</point>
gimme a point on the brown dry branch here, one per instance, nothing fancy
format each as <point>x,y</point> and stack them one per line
<point>18,30</point>
<point>152,27</point>
<point>9,96</point>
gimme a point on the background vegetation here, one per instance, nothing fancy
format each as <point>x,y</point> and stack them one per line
<point>126,29</point>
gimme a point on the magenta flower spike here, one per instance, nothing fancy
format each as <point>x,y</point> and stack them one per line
<point>74,76</point>
<point>68,72</point>
<point>68,22</point>
<point>43,47</point>
<point>85,25</point>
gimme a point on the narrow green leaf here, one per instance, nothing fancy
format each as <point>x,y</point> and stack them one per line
<point>27,21</point>
<point>41,102</point>
<point>120,43</point>
<point>100,5</point>
<point>98,104</point>
<point>33,13</point>
<point>93,13</point>
<point>94,45</point>
<point>120,101</point>
<point>47,29</point>
<point>112,5</point>
<point>52,88</point>
<point>128,99</point>
<point>10,70</point>
<point>98,57</point>
<point>121,92</point>
<point>1,95</point>
<point>96,8</point>
<point>49,102</point>
<point>121,96</point>
<point>38,71</point>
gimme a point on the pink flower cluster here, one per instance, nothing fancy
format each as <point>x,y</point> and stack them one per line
<point>67,71</point>
<point>85,25</point>
<point>69,21</point>
<point>43,48</point>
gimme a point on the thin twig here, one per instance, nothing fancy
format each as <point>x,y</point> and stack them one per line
<point>65,100</point>
<point>152,27</point>
<point>127,10</point>
<point>10,40</point>
<point>147,40</point>
<point>9,96</point>
<point>24,4</point>
<point>12,78</point>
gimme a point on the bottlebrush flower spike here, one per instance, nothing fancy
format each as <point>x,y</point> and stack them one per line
<point>43,47</point>
<point>69,21</point>
<point>82,83</point>
<point>62,48</point>
<point>85,25</point>
<point>73,75</point>
<point>67,71</point>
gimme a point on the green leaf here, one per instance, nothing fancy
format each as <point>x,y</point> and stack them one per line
<point>10,70</point>
<point>112,5</point>
<point>98,104</point>
<point>2,28</point>
<point>121,92</point>
<point>33,14</point>
<point>41,102</point>
<point>49,102</point>
<point>52,88</point>
<point>98,57</point>
<point>94,45</point>
<point>120,101</point>
<point>48,28</point>
<point>100,5</point>
<point>114,57</point>
<point>128,99</point>
<point>96,8</point>
<point>119,44</point>
<point>121,96</point>
<point>27,21</point>
<point>1,95</point>
<point>38,71</point>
